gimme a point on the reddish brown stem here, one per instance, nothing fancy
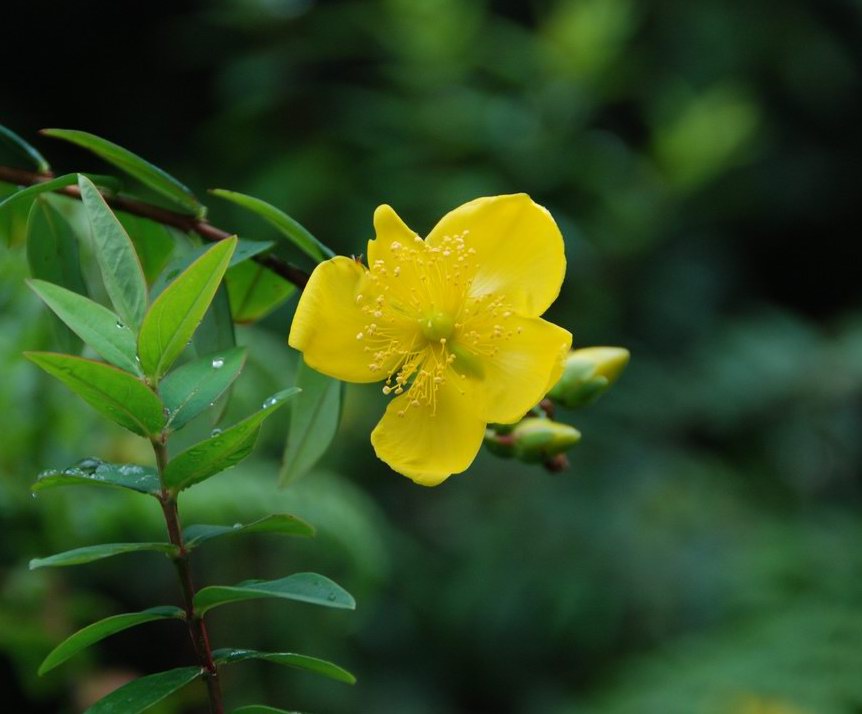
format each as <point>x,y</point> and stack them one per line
<point>197,626</point>
<point>166,217</point>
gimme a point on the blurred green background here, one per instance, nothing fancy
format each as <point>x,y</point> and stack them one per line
<point>703,161</point>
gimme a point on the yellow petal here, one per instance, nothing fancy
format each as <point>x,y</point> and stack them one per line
<point>527,362</point>
<point>519,249</point>
<point>389,228</point>
<point>328,320</point>
<point>429,445</point>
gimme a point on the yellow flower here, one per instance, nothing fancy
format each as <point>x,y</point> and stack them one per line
<point>450,324</point>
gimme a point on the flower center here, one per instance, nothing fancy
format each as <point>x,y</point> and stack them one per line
<point>437,326</point>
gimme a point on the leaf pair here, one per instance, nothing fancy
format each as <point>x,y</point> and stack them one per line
<point>141,694</point>
<point>165,329</point>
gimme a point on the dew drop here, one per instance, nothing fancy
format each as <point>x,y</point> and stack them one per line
<point>218,363</point>
<point>331,597</point>
<point>237,525</point>
<point>120,325</point>
<point>215,432</point>
<point>271,402</point>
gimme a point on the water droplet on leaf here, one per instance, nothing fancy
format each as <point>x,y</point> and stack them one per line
<point>218,363</point>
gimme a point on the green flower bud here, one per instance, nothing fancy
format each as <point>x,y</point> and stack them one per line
<point>499,441</point>
<point>536,439</point>
<point>587,374</point>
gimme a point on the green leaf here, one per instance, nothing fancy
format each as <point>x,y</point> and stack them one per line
<point>216,332</point>
<point>148,174</point>
<point>121,269</point>
<point>23,149</point>
<point>261,709</point>
<point>190,389</point>
<point>173,317</point>
<point>154,243</point>
<point>314,417</point>
<point>53,255</point>
<point>304,662</point>
<point>88,554</point>
<point>303,587</point>
<point>31,192</point>
<point>97,473</point>
<point>255,291</point>
<point>98,631</point>
<point>222,450</point>
<point>245,249</point>
<point>139,695</point>
<point>96,325</point>
<point>279,523</point>
<point>289,227</point>
<point>114,393</point>
<point>13,223</point>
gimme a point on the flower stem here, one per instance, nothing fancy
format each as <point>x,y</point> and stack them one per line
<point>184,222</point>
<point>197,626</point>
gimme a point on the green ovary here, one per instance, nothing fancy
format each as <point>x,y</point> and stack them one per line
<point>437,326</point>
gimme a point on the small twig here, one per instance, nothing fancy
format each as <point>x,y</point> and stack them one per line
<point>166,217</point>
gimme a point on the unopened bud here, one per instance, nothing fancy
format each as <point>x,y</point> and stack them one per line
<point>536,439</point>
<point>499,441</point>
<point>587,374</point>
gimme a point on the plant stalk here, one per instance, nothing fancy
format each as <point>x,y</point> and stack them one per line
<point>197,626</point>
<point>182,221</point>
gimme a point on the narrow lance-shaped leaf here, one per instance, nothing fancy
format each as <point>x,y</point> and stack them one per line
<point>53,255</point>
<point>140,694</point>
<point>289,227</point>
<point>121,269</point>
<point>222,450</point>
<point>189,390</point>
<point>216,334</point>
<point>255,291</point>
<point>278,523</point>
<point>173,317</point>
<point>148,174</point>
<point>90,553</point>
<point>314,419</point>
<point>154,242</point>
<point>91,634</point>
<point>92,472</point>
<point>54,184</point>
<point>13,223</point>
<point>303,587</point>
<point>288,659</point>
<point>23,149</point>
<point>96,325</point>
<point>33,191</point>
<point>245,249</point>
<point>114,393</point>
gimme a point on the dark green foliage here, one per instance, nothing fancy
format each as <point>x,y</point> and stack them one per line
<point>313,422</point>
<point>288,227</point>
<point>145,172</point>
<point>288,659</point>
<point>105,628</point>
<point>302,587</point>
<point>224,448</point>
<point>143,340</point>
